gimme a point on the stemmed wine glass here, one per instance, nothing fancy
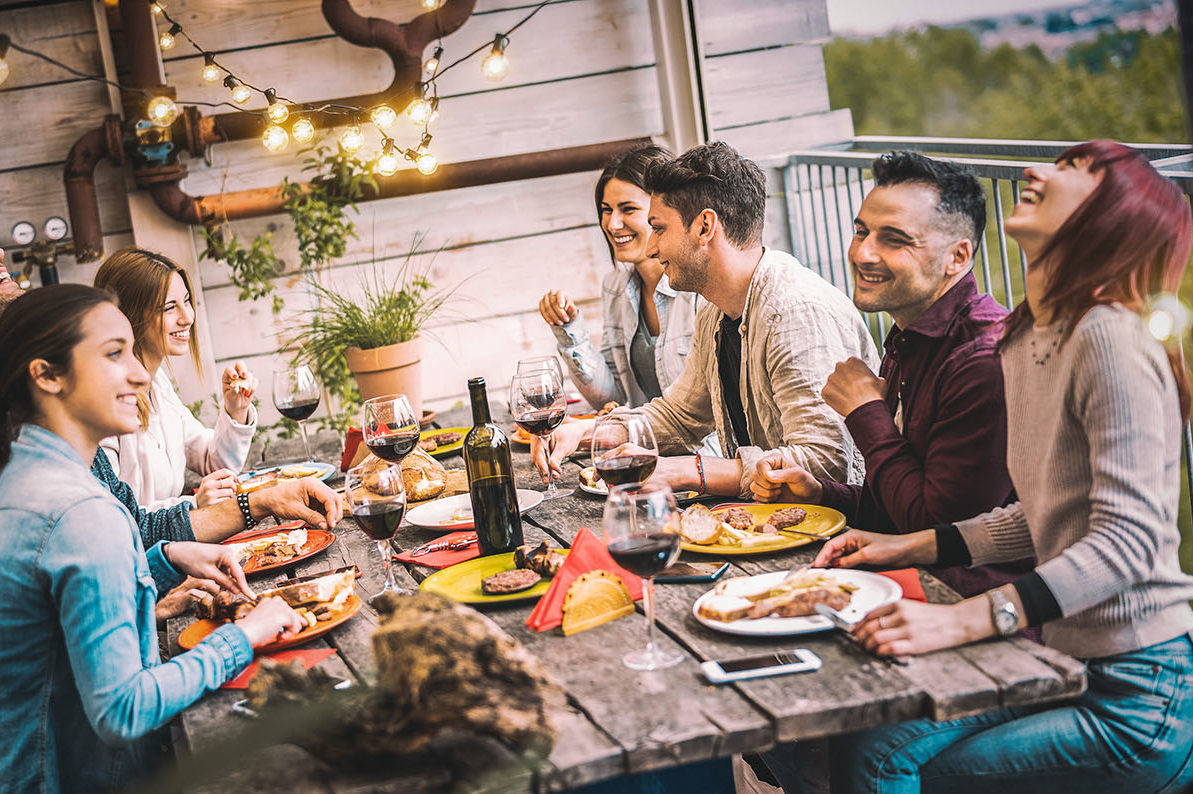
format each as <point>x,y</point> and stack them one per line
<point>389,427</point>
<point>377,500</point>
<point>540,362</point>
<point>296,396</point>
<point>538,405</point>
<point>624,448</point>
<point>641,526</point>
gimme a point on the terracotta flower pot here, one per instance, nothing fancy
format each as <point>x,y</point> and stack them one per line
<point>393,369</point>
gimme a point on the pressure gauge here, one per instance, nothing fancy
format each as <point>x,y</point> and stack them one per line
<point>55,228</point>
<point>23,233</point>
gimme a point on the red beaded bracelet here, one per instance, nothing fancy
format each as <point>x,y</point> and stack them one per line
<point>700,471</point>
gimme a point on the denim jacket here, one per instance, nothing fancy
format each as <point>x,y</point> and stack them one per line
<point>81,681</point>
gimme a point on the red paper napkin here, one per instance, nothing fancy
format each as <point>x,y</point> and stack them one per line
<point>446,558</point>
<point>587,554</point>
<point>308,656</point>
<point>909,580</point>
<point>351,442</point>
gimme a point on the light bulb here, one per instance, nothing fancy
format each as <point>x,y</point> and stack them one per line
<point>210,72</point>
<point>431,65</point>
<point>277,112</point>
<point>4,70</point>
<point>430,5</point>
<point>387,164</point>
<point>161,111</point>
<point>351,140</point>
<point>419,110</point>
<point>241,94</point>
<point>495,65</point>
<point>303,131</point>
<point>384,117</point>
<point>427,164</point>
<point>275,138</point>
<point>166,40</point>
<point>157,8</point>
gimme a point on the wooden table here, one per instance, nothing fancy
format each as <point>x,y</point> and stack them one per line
<point>618,720</point>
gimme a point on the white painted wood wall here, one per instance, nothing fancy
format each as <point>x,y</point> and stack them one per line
<point>582,71</point>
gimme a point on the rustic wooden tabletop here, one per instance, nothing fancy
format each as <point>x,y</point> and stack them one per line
<point>618,720</point>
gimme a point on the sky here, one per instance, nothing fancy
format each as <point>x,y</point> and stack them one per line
<point>879,16</point>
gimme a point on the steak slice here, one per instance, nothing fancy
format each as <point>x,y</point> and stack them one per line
<point>507,582</point>
<point>787,517</point>
<point>738,517</point>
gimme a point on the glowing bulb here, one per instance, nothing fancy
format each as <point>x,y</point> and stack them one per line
<point>352,140</point>
<point>4,70</point>
<point>427,164</point>
<point>161,111</point>
<point>387,163</point>
<point>419,110</point>
<point>495,65</point>
<point>241,94</point>
<point>275,138</point>
<point>430,5</point>
<point>303,131</point>
<point>431,65</point>
<point>1168,319</point>
<point>277,112</point>
<point>157,8</point>
<point>384,117</point>
<point>210,72</point>
<point>166,40</point>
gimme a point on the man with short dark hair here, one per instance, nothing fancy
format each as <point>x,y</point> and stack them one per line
<point>932,428</point>
<point>763,347</point>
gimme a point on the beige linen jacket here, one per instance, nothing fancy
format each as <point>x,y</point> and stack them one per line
<point>795,328</point>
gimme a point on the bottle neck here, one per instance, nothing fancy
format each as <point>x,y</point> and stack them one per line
<point>480,405</point>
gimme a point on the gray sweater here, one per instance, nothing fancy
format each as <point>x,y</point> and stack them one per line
<point>1093,432</point>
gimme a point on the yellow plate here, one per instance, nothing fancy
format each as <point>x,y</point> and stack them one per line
<point>462,582</point>
<point>822,522</point>
<point>445,449</point>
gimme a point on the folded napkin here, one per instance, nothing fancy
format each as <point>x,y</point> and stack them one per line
<point>308,656</point>
<point>588,553</point>
<point>351,443</point>
<point>909,580</point>
<point>448,557</point>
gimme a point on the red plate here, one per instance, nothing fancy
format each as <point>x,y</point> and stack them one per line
<point>317,541</point>
<point>193,634</point>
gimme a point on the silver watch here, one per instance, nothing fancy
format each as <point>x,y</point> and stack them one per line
<point>1003,612</point>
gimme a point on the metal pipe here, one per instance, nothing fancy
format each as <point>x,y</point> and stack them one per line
<point>1009,295</point>
<point>791,195</point>
<point>140,38</point>
<point>78,176</point>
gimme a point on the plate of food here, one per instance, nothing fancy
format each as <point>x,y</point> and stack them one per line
<point>323,600</point>
<point>443,441</point>
<point>276,549</point>
<point>255,480</point>
<point>756,528</point>
<point>498,578</point>
<point>591,482</point>
<point>784,602</point>
<point>455,512</point>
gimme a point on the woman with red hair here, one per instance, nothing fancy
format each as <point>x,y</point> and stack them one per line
<point>1094,413</point>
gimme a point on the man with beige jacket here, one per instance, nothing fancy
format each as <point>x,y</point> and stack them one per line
<point>763,347</point>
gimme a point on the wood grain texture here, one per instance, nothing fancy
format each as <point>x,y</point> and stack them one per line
<point>65,32</point>
<point>42,123</point>
<point>755,24</point>
<point>765,85</point>
<point>34,194</point>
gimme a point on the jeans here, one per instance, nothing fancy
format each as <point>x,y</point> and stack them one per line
<point>1131,731</point>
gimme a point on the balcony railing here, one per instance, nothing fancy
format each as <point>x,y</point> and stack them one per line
<point>825,188</point>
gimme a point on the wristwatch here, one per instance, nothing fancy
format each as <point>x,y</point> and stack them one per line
<point>1003,612</point>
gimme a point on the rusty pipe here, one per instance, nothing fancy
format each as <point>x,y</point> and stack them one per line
<point>140,36</point>
<point>78,175</point>
<point>203,210</point>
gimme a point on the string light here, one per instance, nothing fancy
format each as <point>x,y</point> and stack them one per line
<point>1168,319</point>
<point>210,72</point>
<point>4,68</point>
<point>276,111</point>
<point>161,111</point>
<point>495,65</point>
<point>424,161</point>
<point>420,110</point>
<point>431,65</point>
<point>387,162</point>
<point>302,131</point>
<point>430,5</point>
<point>241,93</point>
<point>351,140</point>
<point>275,138</point>
<point>157,8</point>
<point>384,117</point>
<point>166,40</point>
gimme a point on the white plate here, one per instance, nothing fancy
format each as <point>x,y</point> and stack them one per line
<point>600,489</point>
<point>438,514</point>
<point>325,470</point>
<point>872,592</point>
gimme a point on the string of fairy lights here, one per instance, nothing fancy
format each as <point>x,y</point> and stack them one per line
<point>287,120</point>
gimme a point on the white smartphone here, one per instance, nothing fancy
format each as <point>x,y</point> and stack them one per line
<point>799,660</point>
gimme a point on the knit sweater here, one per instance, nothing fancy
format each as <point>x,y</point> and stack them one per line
<point>1093,431</point>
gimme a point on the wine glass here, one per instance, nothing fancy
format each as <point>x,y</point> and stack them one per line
<point>538,405</point>
<point>624,448</point>
<point>377,501</point>
<point>641,526</point>
<point>389,427</point>
<point>540,362</point>
<point>296,396</point>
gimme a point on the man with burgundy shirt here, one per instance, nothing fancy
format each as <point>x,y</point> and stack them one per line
<point>932,427</point>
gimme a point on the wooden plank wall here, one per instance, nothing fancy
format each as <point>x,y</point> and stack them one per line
<point>582,71</point>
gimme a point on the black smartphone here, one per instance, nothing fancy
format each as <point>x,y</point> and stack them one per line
<point>684,572</point>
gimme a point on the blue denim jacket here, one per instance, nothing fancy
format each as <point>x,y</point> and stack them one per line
<point>81,680</point>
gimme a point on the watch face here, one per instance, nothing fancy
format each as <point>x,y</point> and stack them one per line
<point>1005,619</point>
<point>23,233</point>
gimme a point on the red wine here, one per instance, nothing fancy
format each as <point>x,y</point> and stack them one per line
<point>626,468</point>
<point>541,400</point>
<point>645,555</point>
<point>540,423</point>
<point>299,409</point>
<point>393,447</point>
<point>490,478</point>
<point>379,521</point>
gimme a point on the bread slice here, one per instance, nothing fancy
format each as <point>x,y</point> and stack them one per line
<point>698,525</point>
<point>333,589</point>
<point>724,608</point>
<point>747,587</point>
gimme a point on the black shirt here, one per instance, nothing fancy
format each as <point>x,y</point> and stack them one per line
<point>729,365</point>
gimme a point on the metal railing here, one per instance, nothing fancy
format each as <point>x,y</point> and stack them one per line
<point>824,189</point>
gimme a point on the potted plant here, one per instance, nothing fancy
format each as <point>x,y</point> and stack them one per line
<point>373,335</point>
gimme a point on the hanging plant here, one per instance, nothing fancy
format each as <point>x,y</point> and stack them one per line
<point>252,269</point>
<point>319,208</point>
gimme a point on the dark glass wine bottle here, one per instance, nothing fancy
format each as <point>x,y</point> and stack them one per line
<point>490,478</point>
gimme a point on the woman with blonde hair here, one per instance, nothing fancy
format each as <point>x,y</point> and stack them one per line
<point>156,296</point>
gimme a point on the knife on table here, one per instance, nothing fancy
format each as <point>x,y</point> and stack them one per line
<point>444,545</point>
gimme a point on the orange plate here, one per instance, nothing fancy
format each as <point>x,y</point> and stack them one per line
<point>520,436</point>
<point>317,541</point>
<point>193,634</point>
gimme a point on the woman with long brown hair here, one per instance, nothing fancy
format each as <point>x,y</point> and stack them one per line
<point>1094,413</point>
<point>156,295</point>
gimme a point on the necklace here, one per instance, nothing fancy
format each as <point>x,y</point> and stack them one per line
<point>1041,353</point>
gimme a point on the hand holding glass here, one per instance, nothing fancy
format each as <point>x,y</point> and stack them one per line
<point>624,448</point>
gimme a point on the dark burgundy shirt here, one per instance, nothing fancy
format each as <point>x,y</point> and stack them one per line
<point>949,461</point>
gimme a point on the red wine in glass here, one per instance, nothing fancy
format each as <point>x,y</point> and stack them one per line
<point>299,410</point>
<point>393,447</point>
<point>379,521</point>
<point>540,423</point>
<point>622,469</point>
<point>645,555</point>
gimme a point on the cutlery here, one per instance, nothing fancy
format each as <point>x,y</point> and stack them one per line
<point>444,545</point>
<point>804,534</point>
<point>845,625</point>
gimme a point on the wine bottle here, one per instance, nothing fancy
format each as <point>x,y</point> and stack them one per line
<point>490,478</point>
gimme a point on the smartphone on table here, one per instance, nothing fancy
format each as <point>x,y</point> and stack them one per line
<point>797,660</point>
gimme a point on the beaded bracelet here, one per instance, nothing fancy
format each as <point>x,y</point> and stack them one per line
<point>700,471</point>
<point>242,501</point>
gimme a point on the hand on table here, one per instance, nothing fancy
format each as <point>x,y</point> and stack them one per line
<point>239,386</point>
<point>270,620</point>
<point>913,627</point>
<point>777,480</point>
<point>307,499</point>
<point>209,561</point>
<point>856,548</point>
<point>852,385</point>
<point>557,308</point>
<point>216,487</point>
<point>179,600</point>
<point>567,437</point>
